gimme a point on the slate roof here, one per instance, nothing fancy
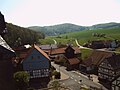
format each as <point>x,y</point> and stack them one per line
<point>102,42</point>
<point>97,57</point>
<point>5,45</point>
<point>48,47</point>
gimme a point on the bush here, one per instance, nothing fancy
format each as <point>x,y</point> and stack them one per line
<point>56,74</point>
<point>21,80</point>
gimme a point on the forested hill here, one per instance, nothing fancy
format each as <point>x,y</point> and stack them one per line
<point>18,35</point>
<point>58,29</point>
<point>105,26</point>
<point>67,27</point>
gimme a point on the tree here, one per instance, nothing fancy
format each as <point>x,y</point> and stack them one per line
<point>17,36</point>
<point>21,80</point>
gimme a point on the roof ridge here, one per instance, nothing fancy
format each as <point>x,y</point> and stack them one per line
<point>41,51</point>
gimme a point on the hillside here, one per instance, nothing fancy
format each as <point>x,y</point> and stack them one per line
<point>58,29</point>
<point>105,26</point>
<point>87,35</point>
<point>18,35</point>
<point>67,27</point>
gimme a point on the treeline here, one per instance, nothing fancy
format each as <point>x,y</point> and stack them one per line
<point>58,29</point>
<point>17,36</point>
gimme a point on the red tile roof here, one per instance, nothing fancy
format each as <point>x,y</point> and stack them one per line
<point>61,50</point>
<point>73,61</point>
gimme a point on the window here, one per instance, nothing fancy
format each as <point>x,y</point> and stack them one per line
<point>40,73</point>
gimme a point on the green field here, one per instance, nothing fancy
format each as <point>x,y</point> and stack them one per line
<point>84,36</point>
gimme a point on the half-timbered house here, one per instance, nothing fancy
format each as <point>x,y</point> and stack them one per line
<point>36,63</point>
<point>116,83</point>
<point>90,65</point>
<point>109,72</point>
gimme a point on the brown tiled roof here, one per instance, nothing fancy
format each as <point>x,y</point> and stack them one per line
<point>73,61</point>
<point>61,50</point>
<point>24,55</point>
<point>114,61</point>
<point>88,61</point>
<point>58,51</point>
<point>97,57</point>
<point>77,50</point>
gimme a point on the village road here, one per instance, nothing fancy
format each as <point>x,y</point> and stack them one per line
<point>76,79</point>
<point>76,41</point>
<point>55,42</point>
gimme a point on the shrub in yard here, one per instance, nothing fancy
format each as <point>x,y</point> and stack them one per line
<point>56,74</point>
<point>21,80</point>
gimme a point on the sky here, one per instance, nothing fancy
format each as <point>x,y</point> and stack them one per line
<point>51,12</point>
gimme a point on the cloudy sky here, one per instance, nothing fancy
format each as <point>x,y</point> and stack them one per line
<point>50,12</point>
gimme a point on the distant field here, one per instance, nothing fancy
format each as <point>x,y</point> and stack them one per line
<point>84,36</point>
